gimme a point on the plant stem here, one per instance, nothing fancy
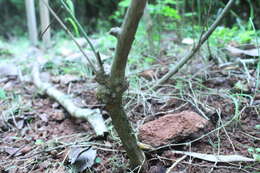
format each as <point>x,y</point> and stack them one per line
<point>112,87</point>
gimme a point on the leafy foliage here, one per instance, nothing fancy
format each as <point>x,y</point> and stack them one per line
<point>224,35</point>
<point>165,8</point>
<point>160,7</point>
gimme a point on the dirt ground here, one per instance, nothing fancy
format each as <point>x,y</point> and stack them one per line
<point>37,133</point>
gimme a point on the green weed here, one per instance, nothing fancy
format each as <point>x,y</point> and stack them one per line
<point>255,152</point>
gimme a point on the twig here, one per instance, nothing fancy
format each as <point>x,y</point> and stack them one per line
<point>169,170</point>
<point>47,150</point>
<point>14,153</point>
<point>216,158</point>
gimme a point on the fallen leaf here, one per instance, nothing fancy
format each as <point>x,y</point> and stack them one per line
<point>148,74</point>
<point>239,52</point>
<point>82,158</point>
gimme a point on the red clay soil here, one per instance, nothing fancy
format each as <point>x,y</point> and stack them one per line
<point>171,127</point>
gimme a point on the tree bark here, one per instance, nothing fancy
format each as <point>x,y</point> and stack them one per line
<point>31,21</point>
<point>113,86</point>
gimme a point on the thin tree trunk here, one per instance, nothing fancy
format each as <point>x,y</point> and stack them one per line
<point>31,21</point>
<point>112,87</point>
<point>45,22</point>
<point>149,30</point>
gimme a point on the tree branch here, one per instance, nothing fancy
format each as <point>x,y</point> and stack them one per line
<point>126,38</point>
<point>93,116</point>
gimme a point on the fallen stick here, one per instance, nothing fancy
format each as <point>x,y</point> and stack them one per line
<point>216,158</point>
<point>93,116</point>
<point>170,169</point>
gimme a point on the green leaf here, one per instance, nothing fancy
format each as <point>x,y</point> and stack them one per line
<point>170,12</point>
<point>98,160</point>
<point>170,2</point>
<point>257,150</point>
<point>246,36</point>
<point>257,157</point>
<point>39,142</point>
<point>2,94</point>
<point>241,86</point>
<point>73,24</point>
<point>124,3</point>
<point>251,150</point>
<point>149,60</point>
<point>257,126</point>
<point>70,6</point>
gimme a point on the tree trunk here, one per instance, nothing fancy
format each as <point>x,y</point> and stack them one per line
<point>45,22</point>
<point>31,21</point>
<point>113,86</point>
<point>149,30</point>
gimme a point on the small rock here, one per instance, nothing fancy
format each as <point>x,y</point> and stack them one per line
<point>171,128</point>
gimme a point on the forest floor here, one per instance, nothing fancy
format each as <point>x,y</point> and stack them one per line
<point>36,133</point>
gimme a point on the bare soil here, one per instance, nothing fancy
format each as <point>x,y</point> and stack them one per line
<point>38,134</point>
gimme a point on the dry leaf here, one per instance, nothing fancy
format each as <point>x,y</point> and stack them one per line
<point>239,52</point>
<point>82,158</point>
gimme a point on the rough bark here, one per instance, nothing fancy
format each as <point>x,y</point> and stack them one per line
<point>113,86</point>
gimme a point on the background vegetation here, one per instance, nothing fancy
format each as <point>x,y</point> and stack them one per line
<point>98,15</point>
<point>220,82</point>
